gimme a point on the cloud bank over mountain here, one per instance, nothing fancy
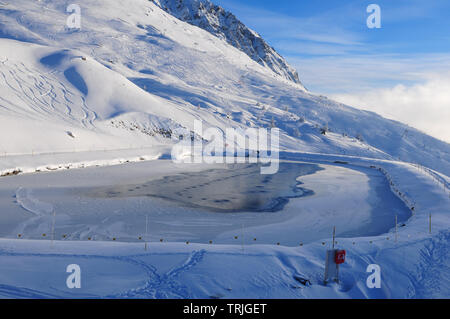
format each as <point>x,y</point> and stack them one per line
<point>425,106</point>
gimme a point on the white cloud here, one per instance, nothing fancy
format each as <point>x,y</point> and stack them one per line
<point>329,26</point>
<point>424,106</point>
<point>352,73</point>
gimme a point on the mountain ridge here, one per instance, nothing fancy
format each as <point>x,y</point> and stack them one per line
<point>225,25</point>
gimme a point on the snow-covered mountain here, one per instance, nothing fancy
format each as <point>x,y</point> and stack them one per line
<point>127,86</point>
<point>133,73</point>
<point>225,25</point>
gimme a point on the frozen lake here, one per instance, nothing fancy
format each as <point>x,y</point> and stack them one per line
<point>224,204</point>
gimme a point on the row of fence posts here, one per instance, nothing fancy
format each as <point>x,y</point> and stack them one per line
<point>73,150</point>
<point>435,178</point>
<point>235,237</point>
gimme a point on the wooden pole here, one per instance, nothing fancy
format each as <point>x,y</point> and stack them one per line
<point>242,237</point>
<point>146,231</point>
<point>396,223</point>
<point>334,235</point>
<point>53,226</point>
<point>430,224</point>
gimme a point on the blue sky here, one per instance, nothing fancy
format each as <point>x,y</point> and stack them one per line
<point>336,54</point>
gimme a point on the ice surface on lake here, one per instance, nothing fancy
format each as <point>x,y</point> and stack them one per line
<point>240,187</point>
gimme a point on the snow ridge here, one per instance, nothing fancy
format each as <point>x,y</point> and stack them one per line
<point>223,24</point>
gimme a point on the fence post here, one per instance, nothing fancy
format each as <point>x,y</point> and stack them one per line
<point>242,237</point>
<point>430,224</point>
<point>334,235</point>
<point>396,223</point>
<point>146,230</point>
<point>53,225</point>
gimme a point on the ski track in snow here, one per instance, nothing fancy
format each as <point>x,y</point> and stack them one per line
<point>9,291</point>
<point>44,96</point>
<point>31,204</point>
<point>156,286</point>
<point>166,285</point>
<point>431,279</point>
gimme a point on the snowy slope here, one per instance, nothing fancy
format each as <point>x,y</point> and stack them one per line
<point>58,103</point>
<point>161,68</point>
<point>223,24</point>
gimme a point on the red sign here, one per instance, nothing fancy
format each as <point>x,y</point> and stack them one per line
<point>339,257</point>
